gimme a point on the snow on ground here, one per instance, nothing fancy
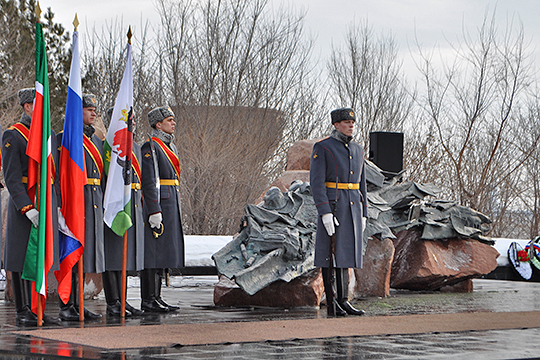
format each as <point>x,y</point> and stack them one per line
<point>502,246</point>
<point>198,252</point>
<point>200,248</point>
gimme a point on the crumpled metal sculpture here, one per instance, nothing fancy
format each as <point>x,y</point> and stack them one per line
<point>276,240</point>
<point>401,206</point>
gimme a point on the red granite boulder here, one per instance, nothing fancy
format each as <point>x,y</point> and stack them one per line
<point>374,278</point>
<point>299,155</point>
<point>305,290</point>
<point>288,177</point>
<point>432,264</point>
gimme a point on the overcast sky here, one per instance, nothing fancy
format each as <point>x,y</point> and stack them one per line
<point>431,22</point>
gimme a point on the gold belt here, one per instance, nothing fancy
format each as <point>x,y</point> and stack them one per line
<point>171,182</point>
<point>136,186</point>
<point>24,180</point>
<point>342,186</point>
<point>94,181</point>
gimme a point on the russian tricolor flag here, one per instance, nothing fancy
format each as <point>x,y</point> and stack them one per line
<point>72,179</point>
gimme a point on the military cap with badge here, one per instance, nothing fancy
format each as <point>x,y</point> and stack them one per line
<point>89,100</point>
<point>342,114</point>
<point>159,114</point>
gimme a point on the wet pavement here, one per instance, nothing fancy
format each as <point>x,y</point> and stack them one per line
<point>194,296</point>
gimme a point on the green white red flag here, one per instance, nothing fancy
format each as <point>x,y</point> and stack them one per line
<point>39,254</point>
<point>118,149</point>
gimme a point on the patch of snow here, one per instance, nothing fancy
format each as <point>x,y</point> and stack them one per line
<point>502,245</point>
<point>200,248</point>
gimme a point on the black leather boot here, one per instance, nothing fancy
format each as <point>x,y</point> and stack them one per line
<point>342,285</point>
<point>68,312</point>
<point>115,309</point>
<point>130,310</point>
<point>112,295</point>
<point>24,315</point>
<point>159,299</point>
<point>332,309</point>
<point>148,284</point>
<point>88,315</point>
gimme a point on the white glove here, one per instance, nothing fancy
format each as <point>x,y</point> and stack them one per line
<point>328,221</point>
<point>155,220</point>
<point>33,216</point>
<point>364,220</point>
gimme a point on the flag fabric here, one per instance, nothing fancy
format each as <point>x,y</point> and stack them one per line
<point>40,254</point>
<point>118,151</point>
<point>72,179</point>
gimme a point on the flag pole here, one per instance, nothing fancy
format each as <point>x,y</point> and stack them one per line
<point>39,296</point>
<point>124,250</point>
<point>124,277</point>
<point>81,289</point>
<point>80,272</point>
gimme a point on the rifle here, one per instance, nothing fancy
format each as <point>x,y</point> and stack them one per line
<point>330,302</point>
<point>157,232</point>
<point>332,278</point>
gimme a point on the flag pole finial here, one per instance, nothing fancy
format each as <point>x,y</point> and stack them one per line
<point>129,34</point>
<point>38,12</point>
<point>76,22</point>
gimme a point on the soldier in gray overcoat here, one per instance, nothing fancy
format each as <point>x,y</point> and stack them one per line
<point>112,277</point>
<point>338,184</point>
<point>164,238</point>
<point>94,253</point>
<point>21,213</point>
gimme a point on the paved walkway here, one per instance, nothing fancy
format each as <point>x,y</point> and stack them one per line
<point>515,301</point>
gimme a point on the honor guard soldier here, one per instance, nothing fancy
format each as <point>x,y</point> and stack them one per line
<point>93,255</point>
<point>164,238</point>
<point>21,213</point>
<point>112,277</point>
<point>338,184</point>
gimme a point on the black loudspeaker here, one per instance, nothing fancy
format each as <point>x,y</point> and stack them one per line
<point>386,150</point>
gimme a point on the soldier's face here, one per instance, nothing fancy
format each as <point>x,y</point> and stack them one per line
<point>345,127</point>
<point>89,115</point>
<point>28,109</point>
<point>167,125</point>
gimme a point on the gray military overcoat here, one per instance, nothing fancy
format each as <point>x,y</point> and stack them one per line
<point>334,160</point>
<point>94,249</point>
<point>166,251</point>
<point>15,165</point>
<point>135,234</point>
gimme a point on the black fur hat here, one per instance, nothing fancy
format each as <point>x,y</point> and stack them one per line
<point>342,114</point>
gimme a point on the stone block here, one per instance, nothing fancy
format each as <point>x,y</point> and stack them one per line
<point>374,278</point>
<point>432,264</point>
<point>299,155</point>
<point>305,290</point>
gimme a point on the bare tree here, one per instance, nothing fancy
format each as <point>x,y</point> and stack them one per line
<point>103,61</point>
<point>522,218</point>
<point>423,156</point>
<point>240,80</point>
<point>16,58</point>
<point>17,54</point>
<point>367,76</point>
<point>473,105</point>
